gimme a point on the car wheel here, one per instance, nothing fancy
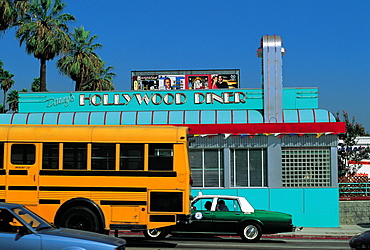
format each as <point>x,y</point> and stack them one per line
<point>251,232</point>
<point>156,233</point>
<point>81,218</point>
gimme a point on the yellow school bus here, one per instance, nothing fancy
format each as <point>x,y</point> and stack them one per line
<point>97,178</point>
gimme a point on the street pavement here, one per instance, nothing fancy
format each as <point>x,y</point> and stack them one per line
<point>342,232</point>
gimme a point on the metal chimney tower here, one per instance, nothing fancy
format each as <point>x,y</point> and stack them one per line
<point>271,52</point>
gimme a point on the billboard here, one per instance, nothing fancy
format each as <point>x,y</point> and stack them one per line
<point>185,79</point>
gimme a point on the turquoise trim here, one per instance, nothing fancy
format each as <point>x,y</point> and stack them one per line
<point>191,117</point>
<point>310,207</point>
<point>224,117</point>
<point>255,116</point>
<point>144,118</point>
<point>176,117</point>
<point>164,117</point>
<point>300,98</point>
<point>306,115</point>
<point>160,117</point>
<point>50,119</point>
<point>290,116</point>
<point>208,117</point>
<point>129,118</point>
<point>19,118</point>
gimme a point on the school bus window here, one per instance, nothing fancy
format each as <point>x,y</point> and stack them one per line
<point>23,154</point>
<point>166,201</point>
<point>50,155</point>
<point>1,155</point>
<point>103,156</point>
<point>132,156</point>
<point>75,156</point>
<point>160,156</point>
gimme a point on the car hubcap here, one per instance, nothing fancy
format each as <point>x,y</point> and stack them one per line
<point>250,232</point>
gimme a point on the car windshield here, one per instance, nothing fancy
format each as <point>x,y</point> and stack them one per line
<point>31,219</point>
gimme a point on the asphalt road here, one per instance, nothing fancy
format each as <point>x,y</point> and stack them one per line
<point>234,243</point>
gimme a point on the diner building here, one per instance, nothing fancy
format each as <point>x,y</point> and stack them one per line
<point>272,145</point>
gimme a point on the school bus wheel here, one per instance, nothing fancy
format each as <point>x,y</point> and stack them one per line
<point>81,218</point>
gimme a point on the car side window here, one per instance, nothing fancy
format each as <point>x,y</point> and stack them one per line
<point>235,206</point>
<point>8,222</point>
<point>226,205</point>
<point>202,205</point>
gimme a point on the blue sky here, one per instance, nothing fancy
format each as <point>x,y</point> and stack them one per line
<point>327,43</point>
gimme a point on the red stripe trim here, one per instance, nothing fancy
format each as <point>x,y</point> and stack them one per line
<point>261,128</point>
<point>58,116</point>
<point>11,119</point>
<point>359,162</point>
<point>73,118</point>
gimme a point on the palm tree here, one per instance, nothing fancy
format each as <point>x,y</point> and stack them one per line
<point>102,81</point>
<point>1,67</point>
<point>13,99</point>
<point>6,80</point>
<point>45,32</point>
<point>81,63</point>
<point>11,11</point>
<point>35,85</point>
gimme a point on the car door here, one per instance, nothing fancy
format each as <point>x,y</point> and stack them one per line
<point>201,217</point>
<point>18,241</point>
<point>227,221</point>
<point>13,234</point>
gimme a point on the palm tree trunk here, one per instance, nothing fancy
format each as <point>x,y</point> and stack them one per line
<point>3,111</point>
<point>42,75</point>
<point>78,84</point>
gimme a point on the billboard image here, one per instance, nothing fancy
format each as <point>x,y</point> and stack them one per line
<point>186,79</point>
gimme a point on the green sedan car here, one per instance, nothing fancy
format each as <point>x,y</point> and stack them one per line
<point>222,215</point>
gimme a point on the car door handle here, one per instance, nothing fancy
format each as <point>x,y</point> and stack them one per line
<point>237,213</point>
<point>207,212</point>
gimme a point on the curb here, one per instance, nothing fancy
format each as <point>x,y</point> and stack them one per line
<point>307,236</point>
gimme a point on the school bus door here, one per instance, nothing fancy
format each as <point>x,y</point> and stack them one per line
<point>22,176</point>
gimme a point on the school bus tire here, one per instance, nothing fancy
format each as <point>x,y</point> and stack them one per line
<point>81,218</point>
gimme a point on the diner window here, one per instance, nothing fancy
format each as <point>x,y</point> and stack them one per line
<point>75,156</point>
<point>207,167</point>
<point>306,167</point>
<point>248,168</point>
<point>103,156</point>
<point>23,154</point>
<point>50,155</point>
<point>161,156</point>
<point>132,156</point>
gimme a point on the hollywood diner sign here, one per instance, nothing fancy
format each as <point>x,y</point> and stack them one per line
<point>139,100</point>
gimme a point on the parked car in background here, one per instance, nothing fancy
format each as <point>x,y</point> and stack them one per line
<point>360,241</point>
<point>221,215</point>
<point>22,229</point>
